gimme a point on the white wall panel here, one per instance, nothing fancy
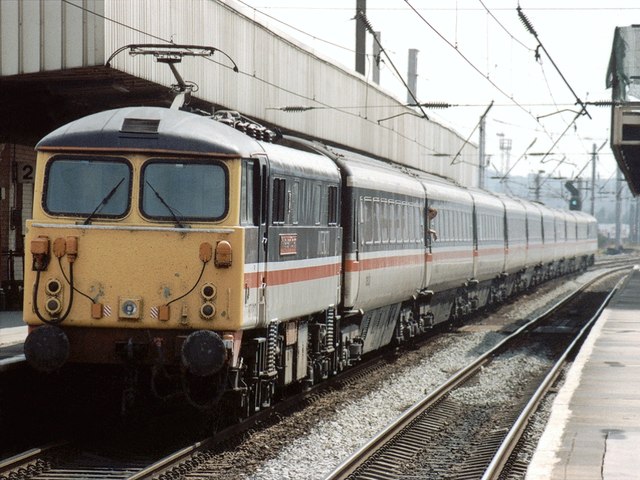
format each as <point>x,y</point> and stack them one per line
<point>94,33</point>
<point>45,35</point>
<point>30,36</point>
<point>72,34</point>
<point>52,42</point>
<point>275,71</point>
<point>9,36</point>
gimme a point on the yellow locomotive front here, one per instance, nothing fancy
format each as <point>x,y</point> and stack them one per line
<point>135,244</point>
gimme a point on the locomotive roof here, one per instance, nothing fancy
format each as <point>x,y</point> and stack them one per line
<point>151,129</point>
<point>301,163</point>
<point>371,173</point>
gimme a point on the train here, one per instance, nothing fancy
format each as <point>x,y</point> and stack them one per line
<point>243,263</point>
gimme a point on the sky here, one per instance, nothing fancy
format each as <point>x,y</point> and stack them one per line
<point>474,52</point>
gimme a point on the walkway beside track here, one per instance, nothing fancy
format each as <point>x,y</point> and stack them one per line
<point>594,428</point>
<point>13,331</point>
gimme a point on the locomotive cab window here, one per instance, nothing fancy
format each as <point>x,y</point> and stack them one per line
<point>178,191</point>
<point>91,187</point>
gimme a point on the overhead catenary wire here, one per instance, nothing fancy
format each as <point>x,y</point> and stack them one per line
<point>365,21</point>
<point>319,104</point>
<point>453,161</point>
<point>527,24</point>
<point>436,105</point>
<point>529,27</point>
<point>588,162</point>
<point>457,8</point>
<point>473,66</point>
<point>503,27</point>
<point>288,25</point>
<point>524,154</point>
<point>253,76</point>
<point>554,146</point>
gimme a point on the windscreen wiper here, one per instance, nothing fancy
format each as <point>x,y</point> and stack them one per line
<point>171,210</point>
<point>104,201</point>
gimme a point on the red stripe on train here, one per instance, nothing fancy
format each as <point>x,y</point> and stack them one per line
<point>292,275</point>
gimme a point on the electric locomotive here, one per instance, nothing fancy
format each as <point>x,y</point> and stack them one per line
<point>153,243</point>
<point>195,248</point>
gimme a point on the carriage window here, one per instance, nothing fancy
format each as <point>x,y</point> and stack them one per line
<point>316,205</point>
<point>184,191</point>
<point>377,228</point>
<point>414,224</point>
<point>279,200</point>
<point>333,205</point>
<point>368,221</point>
<point>392,221</point>
<point>417,222</point>
<point>405,222</point>
<point>384,221</point>
<point>87,187</point>
<point>402,225</point>
<point>295,201</point>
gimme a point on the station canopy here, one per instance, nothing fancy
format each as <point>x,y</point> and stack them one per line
<point>623,77</point>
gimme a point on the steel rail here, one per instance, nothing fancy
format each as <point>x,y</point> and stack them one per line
<point>501,457</point>
<point>16,461</point>
<point>168,461</point>
<point>172,460</point>
<point>375,444</point>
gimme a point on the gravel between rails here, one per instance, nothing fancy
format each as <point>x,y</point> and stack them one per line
<point>312,442</point>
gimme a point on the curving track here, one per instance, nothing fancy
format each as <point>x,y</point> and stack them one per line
<point>416,443</point>
<point>73,461</point>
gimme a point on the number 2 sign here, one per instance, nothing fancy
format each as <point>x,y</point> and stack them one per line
<point>25,172</point>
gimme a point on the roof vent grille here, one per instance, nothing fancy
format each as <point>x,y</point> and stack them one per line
<point>140,125</point>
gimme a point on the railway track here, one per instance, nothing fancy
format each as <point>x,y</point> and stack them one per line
<point>426,441</point>
<point>609,261</point>
<point>76,461</point>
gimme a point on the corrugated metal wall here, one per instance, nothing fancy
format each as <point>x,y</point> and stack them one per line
<point>47,35</point>
<point>275,71</point>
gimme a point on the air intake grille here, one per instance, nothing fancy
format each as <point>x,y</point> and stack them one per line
<point>140,125</point>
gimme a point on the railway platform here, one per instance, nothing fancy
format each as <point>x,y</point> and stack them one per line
<point>12,334</point>
<point>594,428</point>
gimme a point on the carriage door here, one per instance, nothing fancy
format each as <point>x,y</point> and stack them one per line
<point>261,172</point>
<point>429,226</point>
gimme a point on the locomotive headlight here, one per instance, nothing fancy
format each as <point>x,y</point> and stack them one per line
<point>53,287</point>
<point>208,310</point>
<point>208,291</point>
<point>53,306</point>
<point>130,308</point>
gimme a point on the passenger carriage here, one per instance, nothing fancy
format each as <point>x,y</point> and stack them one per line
<point>384,250</point>
<point>551,253</point>
<point>534,263</point>
<point>490,248</point>
<point>516,244</point>
<point>450,259</point>
<point>166,240</point>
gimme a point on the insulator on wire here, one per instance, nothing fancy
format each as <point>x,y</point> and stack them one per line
<point>363,18</point>
<point>295,108</point>
<point>525,21</point>
<point>602,103</point>
<point>436,105</point>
